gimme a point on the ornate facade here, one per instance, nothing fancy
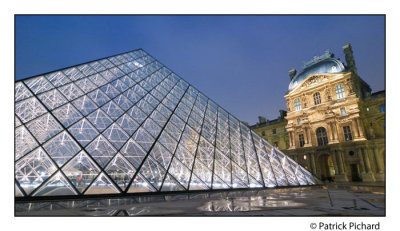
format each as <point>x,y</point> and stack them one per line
<point>334,125</point>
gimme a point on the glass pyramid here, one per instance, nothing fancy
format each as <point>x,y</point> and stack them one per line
<point>127,124</point>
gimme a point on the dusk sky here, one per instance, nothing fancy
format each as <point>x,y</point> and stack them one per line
<point>241,62</point>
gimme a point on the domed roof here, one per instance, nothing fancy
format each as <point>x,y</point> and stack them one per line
<point>328,65</point>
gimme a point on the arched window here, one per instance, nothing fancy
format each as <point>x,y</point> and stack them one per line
<point>317,98</point>
<point>340,91</point>
<point>297,104</point>
<point>322,138</point>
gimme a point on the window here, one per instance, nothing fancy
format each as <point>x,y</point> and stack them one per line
<point>347,133</point>
<point>343,111</point>
<point>340,91</point>
<point>382,108</point>
<point>301,140</point>
<point>322,138</point>
<point>317,98</point>
<point>274,131</point>
<point>298,121</point>
<point>297,104</point>
<point>263,133</point>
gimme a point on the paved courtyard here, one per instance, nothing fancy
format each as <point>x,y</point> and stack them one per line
<point>328,200</point>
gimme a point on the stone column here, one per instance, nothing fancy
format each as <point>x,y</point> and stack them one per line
<point>330,131</point>
<point>360,156</point>
<point>360,129</point>
<point>306,134</point>
<point>379,176</point>
<point>355,128</point>
<point>367,175</point>
<point>335,133</point>
<point>309,136</point>
<point>341,176</point>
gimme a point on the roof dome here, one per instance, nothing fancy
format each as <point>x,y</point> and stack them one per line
<point>328,65</point>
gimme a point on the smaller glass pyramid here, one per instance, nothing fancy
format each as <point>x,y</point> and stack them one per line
<point>127,124</point>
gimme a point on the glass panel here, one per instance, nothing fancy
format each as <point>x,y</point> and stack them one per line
<point>121,171</point>
<point>108,75</point>
<point>97,79</point>
<point>71,91</point>
<point>100,120</point>
<point>21,92</point>
<point>133,152</point>
<point>85,105</point>
<point>218,183</point>
<point>128,124</point>
<point>280,175</point>
<point>81,171</point>
<point>160,154</point>
<point>289,172</point>
<point>205,153</point>
<point>185,156</point>
<point>67,114</point>
<point>101,150</point>
<point>170,184</point>
<point>83,131</point>
<point>123,102</point>
<point>179,172</point>
<point>24,142</point>
<point>52,99</point>
<point>33,169</point>
<point>86,85</point>
<point>132,96</point>
<point>61,148</point>
<point>112,110</point>
<point>102,185</point>
<point>17,121</point>
<point>139,184</point>
<point>152,127</point>
<point>99,97</point>
<point>197,184</point>
<point>153,172</point>
<point>86,69</point>
<point>204,173</point>
<point>97,66</point>
<point>58,78</point>
<point>29,109</point>
<point>138,115</point>
<point>38,85</point>
<point>44,127</point>
<point>110,90</point>
<point>56,186</point>
<point>119,85</point>
<point>73,73</point>
<point>116,135</point>
<point>168,141</point>
<point>18,191</point>
<point>159,118</point>
<point>144,139</point>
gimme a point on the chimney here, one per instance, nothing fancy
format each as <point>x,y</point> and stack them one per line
<point>262,120</point>
<point>348,52</point>
<point>292,73</point>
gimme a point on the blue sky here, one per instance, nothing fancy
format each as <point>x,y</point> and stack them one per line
<point>241,62</point>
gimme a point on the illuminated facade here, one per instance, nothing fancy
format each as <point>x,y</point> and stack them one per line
<point>127,124</point>
<point>334,125</point>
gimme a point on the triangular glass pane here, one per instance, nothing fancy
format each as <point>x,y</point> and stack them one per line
<point>86,69</point>
<point>56,186</point>
<point>86,85</point>
<point>170,184</point>
<point>17,121</point>
<point>101,150</point>
<point>167,141</point>
<point>143,138</point>
<point>67,114</point>
<point>71,91</point>
<point>204,173</point>
<point>139,184</point>
<point>99,119</point>
<point>52,99</point>
<point>84,105</point>
<point>73,73</point>
<point>21,92</point>
<point>119,85</point>
<point>24,142</point>
<point>39,84</point>
<point>197,184</point>
<point>138,115</point>
<point>110,90</point>
<point>61,148</point>
<point>133,152</point>
<point>33,169</point>
<point>161,155</point>
<point>180,172</point>
<point>99,97</point>
<point>83,132</point>
<point>152,127</point>
<point>128,124</point>
<point>218,183</point>
<point>18,192</point>
<point>29,109</point>
<point>116,135</point>
<point>102,185</point>
<point>153,172</point>
<point>97,79</point>
<point>44,127</point>
<point>123,102</point>
<point>280,175</point>
<point>81,171</point>
<point>112,110</point>
<point>58,78</point>
<point>121,171</point>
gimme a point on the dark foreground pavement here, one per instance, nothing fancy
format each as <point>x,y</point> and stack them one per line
<point>328,200</point>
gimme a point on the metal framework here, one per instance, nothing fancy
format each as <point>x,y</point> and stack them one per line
<point>127,124</point>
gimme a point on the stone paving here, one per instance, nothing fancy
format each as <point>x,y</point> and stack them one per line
<point>327,200</point>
